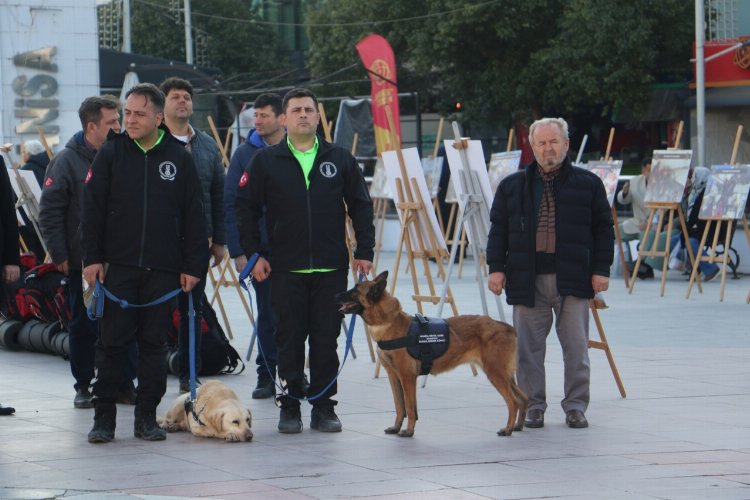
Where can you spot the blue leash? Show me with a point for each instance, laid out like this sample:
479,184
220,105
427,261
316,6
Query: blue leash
246,274
95,311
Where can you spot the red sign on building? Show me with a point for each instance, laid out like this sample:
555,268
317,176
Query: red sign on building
729,70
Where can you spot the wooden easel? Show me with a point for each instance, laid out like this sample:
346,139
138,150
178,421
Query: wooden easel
603,344
218,281
380,207
43,138
712,256
414,217
663,209
618,236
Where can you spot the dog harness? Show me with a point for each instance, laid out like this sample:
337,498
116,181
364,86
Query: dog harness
426,341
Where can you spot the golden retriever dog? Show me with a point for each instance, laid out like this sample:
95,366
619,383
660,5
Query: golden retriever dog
219,413
480,340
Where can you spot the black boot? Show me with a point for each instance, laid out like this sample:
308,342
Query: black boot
145,426
266,387
104,423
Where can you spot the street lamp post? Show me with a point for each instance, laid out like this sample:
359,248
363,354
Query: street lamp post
700,81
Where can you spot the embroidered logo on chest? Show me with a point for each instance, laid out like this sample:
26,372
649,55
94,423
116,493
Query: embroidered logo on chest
328,169
167,170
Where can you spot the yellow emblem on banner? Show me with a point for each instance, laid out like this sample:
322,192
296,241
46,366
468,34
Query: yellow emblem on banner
380,67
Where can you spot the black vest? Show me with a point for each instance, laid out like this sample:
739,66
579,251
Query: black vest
426,340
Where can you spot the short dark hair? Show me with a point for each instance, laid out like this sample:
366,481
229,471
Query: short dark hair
91,108
647,161
296,93
150,92
174,82
273,100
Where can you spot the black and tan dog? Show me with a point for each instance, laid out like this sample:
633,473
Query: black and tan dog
472,339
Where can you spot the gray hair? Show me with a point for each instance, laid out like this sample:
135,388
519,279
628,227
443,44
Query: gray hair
559,122
33,147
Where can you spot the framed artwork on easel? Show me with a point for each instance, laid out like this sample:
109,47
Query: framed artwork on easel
669,174
726,192
608,172
501,166
432,167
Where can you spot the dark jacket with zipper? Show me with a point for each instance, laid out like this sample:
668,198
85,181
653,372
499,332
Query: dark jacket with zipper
144,209
208,163
62,196
584,234
306,227
9,251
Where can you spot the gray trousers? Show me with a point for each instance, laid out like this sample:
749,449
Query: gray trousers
533,325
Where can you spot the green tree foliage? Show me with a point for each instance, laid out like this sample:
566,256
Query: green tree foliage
246,53
503,57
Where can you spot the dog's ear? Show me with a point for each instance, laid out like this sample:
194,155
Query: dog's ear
217,419
377,288
382,276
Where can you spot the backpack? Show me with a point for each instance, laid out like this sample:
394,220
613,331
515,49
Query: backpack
44,295
218,357
11,307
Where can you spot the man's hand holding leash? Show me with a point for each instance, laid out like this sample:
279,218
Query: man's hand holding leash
187,282
93,273
362,266
261,269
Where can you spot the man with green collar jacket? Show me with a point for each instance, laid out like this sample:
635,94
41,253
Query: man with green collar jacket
143,215
307,187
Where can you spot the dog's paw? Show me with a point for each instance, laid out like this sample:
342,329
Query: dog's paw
232,438
518,427
170,426
392,430
504,432
406,433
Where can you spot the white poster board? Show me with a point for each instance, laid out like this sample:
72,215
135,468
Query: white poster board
726,192
475,156
30,179
501,166
413,167
609,173
669,175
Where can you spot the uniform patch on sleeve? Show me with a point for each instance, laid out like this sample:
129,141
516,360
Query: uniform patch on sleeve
243,179
48,182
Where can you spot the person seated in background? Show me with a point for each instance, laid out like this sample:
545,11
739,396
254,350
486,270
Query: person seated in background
35,159
634,193
695,227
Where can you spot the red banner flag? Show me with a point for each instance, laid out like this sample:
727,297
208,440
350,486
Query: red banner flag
377,56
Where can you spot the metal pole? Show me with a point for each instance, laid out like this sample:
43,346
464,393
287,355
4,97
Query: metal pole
700,81
418,116
188,34
126,47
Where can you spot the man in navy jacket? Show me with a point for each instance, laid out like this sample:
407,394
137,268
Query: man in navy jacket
550,247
